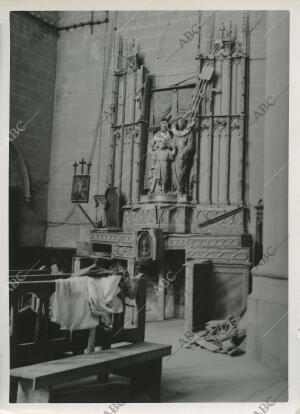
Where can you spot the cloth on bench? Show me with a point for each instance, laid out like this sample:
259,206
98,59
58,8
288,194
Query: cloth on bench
70,305
78,302
103,295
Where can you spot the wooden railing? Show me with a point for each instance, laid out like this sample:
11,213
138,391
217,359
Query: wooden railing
49,342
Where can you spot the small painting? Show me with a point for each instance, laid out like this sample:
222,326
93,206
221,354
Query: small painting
80,188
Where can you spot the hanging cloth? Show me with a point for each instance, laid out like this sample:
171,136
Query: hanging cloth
70,304
103,295
78,302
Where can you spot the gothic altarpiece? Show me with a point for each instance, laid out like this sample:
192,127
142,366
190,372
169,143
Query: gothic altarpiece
182,180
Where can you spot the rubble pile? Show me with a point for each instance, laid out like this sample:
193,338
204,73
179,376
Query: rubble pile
226,336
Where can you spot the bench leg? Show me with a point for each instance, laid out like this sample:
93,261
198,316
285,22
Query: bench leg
104,376
27,395
13,389
155,380
147,378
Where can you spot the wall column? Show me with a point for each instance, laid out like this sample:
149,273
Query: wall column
130,267
188,300
161,291
267,333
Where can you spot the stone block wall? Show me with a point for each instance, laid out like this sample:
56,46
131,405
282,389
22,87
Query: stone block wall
32,80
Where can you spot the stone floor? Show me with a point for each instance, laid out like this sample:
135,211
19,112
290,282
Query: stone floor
197,375
190,375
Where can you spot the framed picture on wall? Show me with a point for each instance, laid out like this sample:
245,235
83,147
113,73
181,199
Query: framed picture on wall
80,189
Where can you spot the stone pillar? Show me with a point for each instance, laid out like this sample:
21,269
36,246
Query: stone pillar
130,267
188,300
267,333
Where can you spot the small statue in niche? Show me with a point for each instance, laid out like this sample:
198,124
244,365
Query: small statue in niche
185,147
162,153
145,246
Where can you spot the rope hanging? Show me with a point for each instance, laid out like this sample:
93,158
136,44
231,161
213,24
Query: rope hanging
204,77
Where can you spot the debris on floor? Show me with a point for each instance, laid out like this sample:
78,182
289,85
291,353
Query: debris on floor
226,336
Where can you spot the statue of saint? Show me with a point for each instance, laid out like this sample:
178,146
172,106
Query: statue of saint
162,153
185,146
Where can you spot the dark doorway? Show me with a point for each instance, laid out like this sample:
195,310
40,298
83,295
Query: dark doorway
175,289
202,298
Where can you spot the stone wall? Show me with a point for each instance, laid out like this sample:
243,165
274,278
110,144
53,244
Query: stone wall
255,147
268,311
32,80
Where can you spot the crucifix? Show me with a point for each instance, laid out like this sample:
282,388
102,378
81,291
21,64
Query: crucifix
89,164
82,163
75,165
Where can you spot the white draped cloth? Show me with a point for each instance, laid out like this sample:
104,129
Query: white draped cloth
78,302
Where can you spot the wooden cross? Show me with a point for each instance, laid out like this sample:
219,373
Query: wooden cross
82,162
75,165
89,167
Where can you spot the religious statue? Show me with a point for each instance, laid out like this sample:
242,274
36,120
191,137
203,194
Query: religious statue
184,146
162,153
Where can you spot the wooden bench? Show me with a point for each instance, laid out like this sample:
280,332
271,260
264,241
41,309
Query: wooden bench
43,346
141,362
52,359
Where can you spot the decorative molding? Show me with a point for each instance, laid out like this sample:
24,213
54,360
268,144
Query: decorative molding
193,242
112,237
219,124
219,249
175,243
184,218
170,218
215,241
121,251
139,217
240,256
